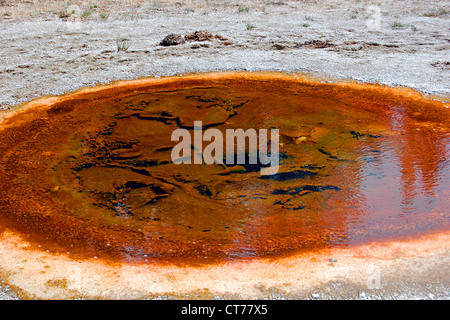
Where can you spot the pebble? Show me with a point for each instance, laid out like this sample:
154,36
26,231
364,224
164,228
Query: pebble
278,46
172,40
199,36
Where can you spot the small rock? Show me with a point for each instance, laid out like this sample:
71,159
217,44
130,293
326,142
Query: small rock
199,36
172,40
278,46
316,44
221,38
332,260
315,296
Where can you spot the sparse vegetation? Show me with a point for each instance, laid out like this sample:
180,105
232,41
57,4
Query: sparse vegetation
133,15
305,25
104,16
354,16
435,14
396,25
123,44
243,9
250,26
74,11
64,14
309,18
85,14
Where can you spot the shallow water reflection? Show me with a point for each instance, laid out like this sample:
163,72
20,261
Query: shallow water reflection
93,174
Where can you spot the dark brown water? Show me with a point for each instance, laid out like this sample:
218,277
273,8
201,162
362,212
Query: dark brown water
93,174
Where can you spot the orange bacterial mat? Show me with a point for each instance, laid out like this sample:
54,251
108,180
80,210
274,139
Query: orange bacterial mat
91,173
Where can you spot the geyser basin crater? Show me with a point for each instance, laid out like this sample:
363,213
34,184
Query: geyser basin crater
90,173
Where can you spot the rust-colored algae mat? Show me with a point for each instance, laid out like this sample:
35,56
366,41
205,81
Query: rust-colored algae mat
91,174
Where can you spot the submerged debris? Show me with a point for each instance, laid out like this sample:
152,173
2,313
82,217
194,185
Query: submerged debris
358,135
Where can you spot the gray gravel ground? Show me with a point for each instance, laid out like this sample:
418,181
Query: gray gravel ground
45,55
